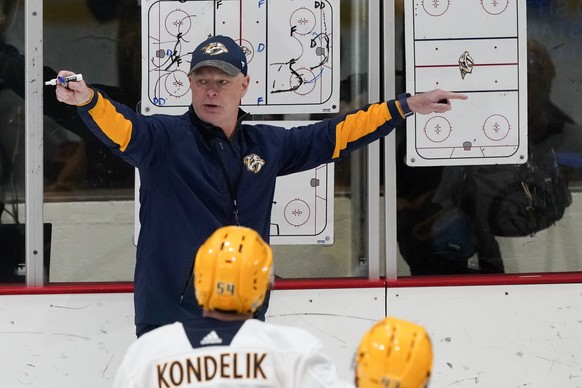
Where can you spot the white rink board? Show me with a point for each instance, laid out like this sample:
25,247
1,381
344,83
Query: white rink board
483,336
499,336
292,50
478,48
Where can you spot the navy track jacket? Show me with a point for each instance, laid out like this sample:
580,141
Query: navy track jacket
192,175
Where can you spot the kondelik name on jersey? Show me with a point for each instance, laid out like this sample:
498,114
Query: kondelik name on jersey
212,367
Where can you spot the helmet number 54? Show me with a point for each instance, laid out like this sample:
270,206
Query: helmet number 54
224,288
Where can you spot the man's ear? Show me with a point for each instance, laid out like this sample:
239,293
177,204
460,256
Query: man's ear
245,85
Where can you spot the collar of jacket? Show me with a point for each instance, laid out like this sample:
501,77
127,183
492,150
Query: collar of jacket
211,131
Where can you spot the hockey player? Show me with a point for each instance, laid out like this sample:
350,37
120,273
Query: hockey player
394,353
229,348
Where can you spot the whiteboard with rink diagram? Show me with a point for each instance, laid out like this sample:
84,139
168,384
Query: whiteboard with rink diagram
293,57
291,47
478,48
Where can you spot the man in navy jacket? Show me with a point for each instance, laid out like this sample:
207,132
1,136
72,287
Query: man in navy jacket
206,169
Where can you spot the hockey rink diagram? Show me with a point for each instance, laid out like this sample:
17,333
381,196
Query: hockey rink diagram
308,215
291,49
477,48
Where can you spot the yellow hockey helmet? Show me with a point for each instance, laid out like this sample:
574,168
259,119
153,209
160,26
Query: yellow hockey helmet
394,353
233,270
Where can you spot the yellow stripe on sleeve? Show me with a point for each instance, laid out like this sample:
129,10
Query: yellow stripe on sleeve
399,107
357,125
113,124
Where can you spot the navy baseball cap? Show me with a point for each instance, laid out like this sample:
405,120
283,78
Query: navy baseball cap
221,52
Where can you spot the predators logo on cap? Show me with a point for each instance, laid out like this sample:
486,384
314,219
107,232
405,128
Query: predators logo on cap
215,48
222,53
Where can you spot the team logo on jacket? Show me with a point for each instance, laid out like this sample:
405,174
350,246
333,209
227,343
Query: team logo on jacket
254,163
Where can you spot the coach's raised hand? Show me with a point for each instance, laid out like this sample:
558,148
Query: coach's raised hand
73,93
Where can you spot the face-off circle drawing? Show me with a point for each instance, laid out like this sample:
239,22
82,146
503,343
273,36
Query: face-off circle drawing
297,212
496,127
494,7
435,7
437,129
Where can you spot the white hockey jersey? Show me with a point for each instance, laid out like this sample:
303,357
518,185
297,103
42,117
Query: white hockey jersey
260,355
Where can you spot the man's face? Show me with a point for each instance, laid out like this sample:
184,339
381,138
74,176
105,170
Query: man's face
216,96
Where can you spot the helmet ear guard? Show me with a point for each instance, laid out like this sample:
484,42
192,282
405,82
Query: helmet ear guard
394,353
233,270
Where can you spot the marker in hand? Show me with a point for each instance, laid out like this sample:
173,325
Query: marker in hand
65,80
